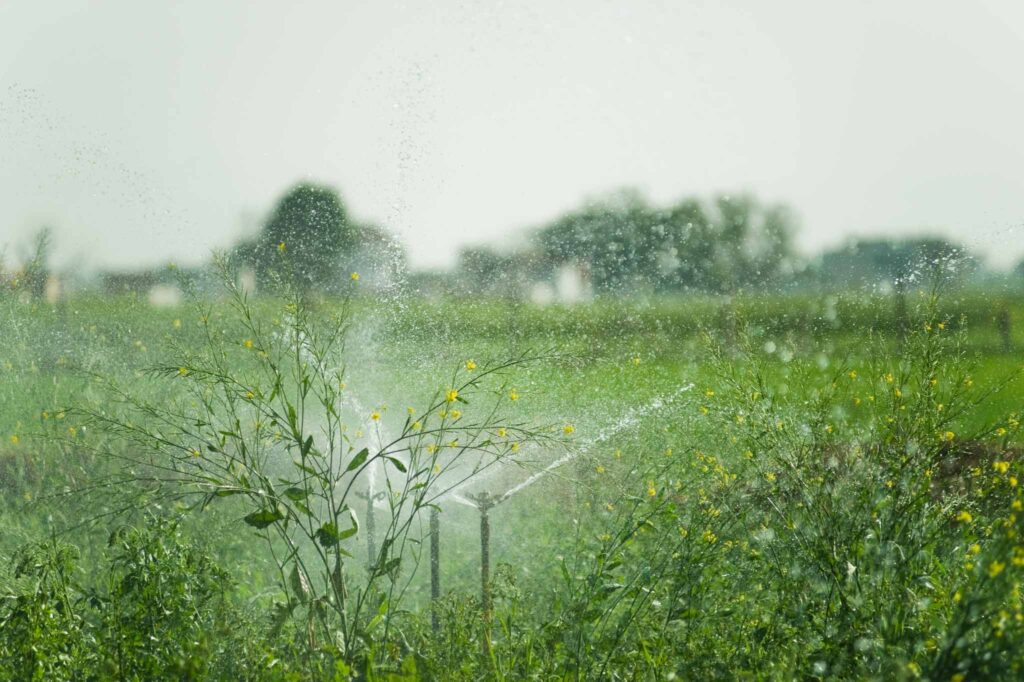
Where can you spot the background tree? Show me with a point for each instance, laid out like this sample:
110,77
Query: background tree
628,245
312,222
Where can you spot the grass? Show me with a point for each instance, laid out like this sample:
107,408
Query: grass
794,514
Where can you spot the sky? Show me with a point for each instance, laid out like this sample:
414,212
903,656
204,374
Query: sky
148,132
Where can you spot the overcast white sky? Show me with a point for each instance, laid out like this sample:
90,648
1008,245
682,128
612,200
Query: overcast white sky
148,131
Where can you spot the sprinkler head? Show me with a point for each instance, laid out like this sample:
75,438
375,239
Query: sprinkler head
484,501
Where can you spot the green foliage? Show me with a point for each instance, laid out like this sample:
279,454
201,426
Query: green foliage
256,415
313,224
831,500
625,244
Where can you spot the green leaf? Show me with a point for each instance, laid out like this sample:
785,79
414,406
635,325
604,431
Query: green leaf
358,460
398,464
300,584
307,446
345,534
263,518
296,494
328,535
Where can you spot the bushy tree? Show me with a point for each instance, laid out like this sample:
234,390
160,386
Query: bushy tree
627,244
311,240
312,224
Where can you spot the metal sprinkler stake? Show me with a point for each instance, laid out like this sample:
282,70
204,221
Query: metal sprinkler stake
484,502
435,568
371,525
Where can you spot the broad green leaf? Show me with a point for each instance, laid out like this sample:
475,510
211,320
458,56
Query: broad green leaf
358,460
263,518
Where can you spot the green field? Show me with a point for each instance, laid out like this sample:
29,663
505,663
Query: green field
760,488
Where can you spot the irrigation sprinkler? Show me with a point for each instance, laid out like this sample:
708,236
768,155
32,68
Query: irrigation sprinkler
484,502
371,524
435,567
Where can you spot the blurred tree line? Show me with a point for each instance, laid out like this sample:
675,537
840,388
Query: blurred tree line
625,244
621,244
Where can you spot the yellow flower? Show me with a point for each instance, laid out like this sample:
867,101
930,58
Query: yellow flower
1000,431
375,416
889,378
470,365
948,436
709,537
974,549
1001,467
247,343
182,371
502,432
995,568
568,428
852,374
828,428
651,490
618,454
410,410
176,324
515,446
513,395
942,325
249,395
770,476
416,426
195,452
455,414
281,247
599,469
709,393
636,360
964,516
15,440
431,449
451,396
354,276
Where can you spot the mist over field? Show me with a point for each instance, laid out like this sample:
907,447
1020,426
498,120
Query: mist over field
509,341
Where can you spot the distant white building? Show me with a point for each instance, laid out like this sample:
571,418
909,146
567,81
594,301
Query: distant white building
570,284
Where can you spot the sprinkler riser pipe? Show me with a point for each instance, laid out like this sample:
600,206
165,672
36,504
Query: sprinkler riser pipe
435,569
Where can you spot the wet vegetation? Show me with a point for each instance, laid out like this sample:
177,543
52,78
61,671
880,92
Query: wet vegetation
356,482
